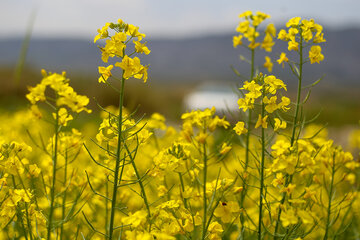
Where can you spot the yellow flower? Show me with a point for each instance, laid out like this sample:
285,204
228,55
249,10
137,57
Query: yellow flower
239,128
243,27
279,180
351,178
319,38
283,35
132,68
134,32
293,22
201,137
237,40
262,122
259,17
215,230
262,15
161,236
142,73
37,93
136,219
271,105
63,116
226,210
279,124
289,189
268,43
288,218
253,88
307,24
292,45
103,32
273,84
307,35
245,14
270,29
253,45
292,33
216,121
137,235
285,101
246,103
105,73
156,121
35,111
315,54
141,47
21,195
268,64
225,149
34,171
282,59
305,217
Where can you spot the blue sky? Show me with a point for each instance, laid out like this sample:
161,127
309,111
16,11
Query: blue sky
163,18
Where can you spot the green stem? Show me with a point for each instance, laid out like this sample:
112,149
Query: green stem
298,92
293,135
28,221
141,185
204,191
117,164
183,189
262,165
330,199
247,150
52,190
64,197
18,213
106,209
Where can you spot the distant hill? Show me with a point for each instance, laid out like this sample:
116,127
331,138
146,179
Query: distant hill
205,58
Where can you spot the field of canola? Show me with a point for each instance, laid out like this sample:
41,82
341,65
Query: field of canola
271,173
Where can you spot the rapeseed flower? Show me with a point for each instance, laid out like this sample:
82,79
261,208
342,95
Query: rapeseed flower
268,64
315,54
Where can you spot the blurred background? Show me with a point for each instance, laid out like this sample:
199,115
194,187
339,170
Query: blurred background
191,51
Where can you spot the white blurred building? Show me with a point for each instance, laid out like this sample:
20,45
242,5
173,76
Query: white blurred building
222,97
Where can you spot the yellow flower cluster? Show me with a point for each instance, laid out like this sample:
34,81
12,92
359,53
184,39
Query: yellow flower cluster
116,46
266,89
300,31
248,29
17,202
63,95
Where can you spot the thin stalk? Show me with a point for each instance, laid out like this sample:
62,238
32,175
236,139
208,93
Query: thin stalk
106,209
183,189
28,222
52,190
117,164
330,199
139,178
64,197
18,213
247,150
262,165
289,178
142,189
298,91
204,191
